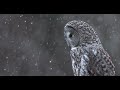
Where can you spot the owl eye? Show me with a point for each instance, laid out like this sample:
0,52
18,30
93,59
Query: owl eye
70,35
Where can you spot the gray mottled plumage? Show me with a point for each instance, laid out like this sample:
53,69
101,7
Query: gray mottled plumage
87,53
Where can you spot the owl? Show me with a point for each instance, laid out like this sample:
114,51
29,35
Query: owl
88,56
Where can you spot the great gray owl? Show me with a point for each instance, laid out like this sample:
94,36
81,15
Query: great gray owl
87,53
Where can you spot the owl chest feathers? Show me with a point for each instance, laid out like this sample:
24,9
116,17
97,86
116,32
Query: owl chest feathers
80,61
83,52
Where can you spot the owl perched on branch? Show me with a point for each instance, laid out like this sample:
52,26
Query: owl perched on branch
87,53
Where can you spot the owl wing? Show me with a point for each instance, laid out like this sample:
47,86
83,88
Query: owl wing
100,63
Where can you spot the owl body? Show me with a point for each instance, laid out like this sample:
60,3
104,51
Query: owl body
87,53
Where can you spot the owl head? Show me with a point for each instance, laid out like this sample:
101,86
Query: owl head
78,33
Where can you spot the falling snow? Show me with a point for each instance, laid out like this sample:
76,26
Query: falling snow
31,23
6,57
50,61
34,44
21,15
51,68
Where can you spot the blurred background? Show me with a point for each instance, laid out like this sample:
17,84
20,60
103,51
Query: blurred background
34,45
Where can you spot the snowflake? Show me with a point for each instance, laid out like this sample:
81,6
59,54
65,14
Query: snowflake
50,61
21,15
6,57
5,69
31,23
51,68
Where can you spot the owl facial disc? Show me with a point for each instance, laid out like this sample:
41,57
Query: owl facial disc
71,36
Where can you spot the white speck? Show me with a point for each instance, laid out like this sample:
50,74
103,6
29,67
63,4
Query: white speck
5,69
5,22
31,23
25,21
50,18
47,43
36,64
50,61
18,25
51,68
12,74
6,57
21,15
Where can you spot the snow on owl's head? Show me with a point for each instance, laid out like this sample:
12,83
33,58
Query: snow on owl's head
79,33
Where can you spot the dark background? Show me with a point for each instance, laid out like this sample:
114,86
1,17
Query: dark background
34,45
